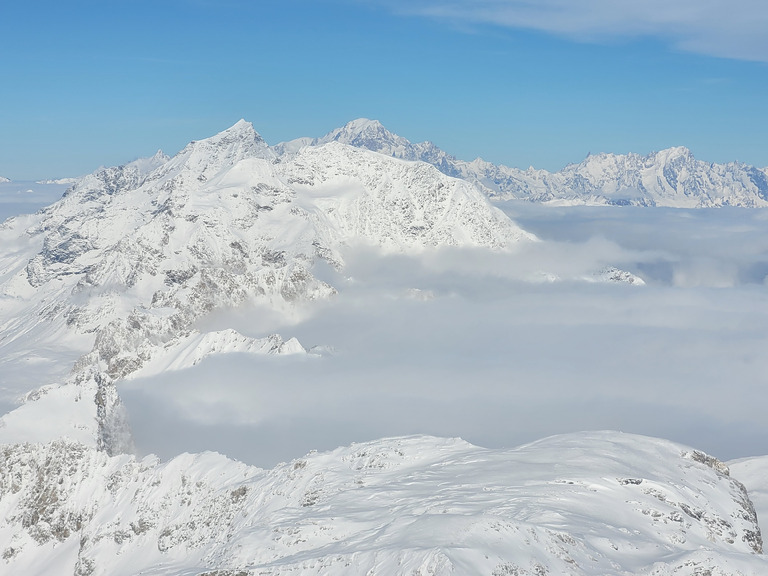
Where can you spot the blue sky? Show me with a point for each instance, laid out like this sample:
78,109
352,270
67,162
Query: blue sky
91,83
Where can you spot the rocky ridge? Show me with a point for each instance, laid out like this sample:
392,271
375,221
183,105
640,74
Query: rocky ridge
584,504
133,256
671,177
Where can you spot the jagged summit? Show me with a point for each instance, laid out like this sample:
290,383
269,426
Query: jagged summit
670,177
372,135
369,134
206,158
133,256
131,268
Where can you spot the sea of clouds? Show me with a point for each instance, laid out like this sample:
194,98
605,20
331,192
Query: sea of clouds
488,347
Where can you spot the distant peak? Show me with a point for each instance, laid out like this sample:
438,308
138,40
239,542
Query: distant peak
361,127
240,127
365,133
674,152
362,123
241,131
242,124
680,151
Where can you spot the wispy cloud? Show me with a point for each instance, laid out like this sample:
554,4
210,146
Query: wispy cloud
723,28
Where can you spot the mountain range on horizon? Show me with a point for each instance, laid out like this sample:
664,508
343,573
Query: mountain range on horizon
114,283
671,177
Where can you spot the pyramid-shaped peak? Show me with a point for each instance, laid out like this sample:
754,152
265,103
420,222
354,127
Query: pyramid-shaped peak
240,136
241,130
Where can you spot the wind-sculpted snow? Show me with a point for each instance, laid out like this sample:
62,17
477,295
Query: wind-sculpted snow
671,177
582,504
133,256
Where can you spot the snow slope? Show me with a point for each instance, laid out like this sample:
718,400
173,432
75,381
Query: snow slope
123,267
584,504
121,274
671,177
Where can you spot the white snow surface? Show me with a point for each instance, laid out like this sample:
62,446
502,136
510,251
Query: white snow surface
671,177
598,503
121,273
124,265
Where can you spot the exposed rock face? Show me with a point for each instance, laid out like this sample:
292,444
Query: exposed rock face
583,504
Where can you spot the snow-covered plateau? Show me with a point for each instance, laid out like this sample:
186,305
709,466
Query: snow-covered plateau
353,287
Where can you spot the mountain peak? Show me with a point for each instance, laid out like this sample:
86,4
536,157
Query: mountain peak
360,124
674,152
240,130
365,133
209,156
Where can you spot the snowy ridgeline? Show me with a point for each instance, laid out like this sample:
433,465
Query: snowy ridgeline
671,177
122,271
124,266
583,504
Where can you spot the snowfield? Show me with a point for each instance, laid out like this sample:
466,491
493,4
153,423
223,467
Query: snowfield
266,300
595,503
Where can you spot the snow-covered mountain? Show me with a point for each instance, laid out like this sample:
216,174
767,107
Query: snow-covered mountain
583,504
115,282
671,177
372,135
133,256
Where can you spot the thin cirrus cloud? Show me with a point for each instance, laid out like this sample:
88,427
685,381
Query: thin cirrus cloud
729,29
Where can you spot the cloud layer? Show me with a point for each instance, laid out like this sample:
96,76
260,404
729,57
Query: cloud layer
459,344
730,29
